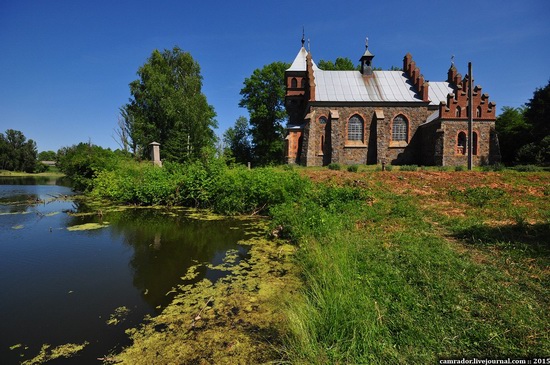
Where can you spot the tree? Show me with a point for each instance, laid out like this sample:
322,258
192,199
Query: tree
263,96
168,107
81,163
47,156
16,152
513,132
524,133
537,113
341,64
237,141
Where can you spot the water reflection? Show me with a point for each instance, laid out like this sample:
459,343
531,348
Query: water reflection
165,246
35,180
62,285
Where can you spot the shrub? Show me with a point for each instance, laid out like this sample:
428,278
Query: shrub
460,168
526,168
386,167
494,167
334,166
353,168
408,168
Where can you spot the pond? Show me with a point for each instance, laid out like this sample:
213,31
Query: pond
62,284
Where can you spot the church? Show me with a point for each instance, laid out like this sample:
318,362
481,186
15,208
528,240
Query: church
384,117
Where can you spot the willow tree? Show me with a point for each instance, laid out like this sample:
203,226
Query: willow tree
167,106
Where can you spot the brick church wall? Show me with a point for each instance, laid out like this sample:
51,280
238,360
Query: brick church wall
453,155
376,145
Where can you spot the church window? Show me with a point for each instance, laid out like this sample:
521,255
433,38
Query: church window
323,120
400,129
355,128
474,143
293,83
458,112
303,83
461,143
478,112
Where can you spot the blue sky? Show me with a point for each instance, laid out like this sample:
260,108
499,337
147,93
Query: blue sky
65,65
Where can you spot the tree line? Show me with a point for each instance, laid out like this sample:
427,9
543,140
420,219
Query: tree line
524,132
167,106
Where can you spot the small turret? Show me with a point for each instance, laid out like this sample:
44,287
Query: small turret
366,61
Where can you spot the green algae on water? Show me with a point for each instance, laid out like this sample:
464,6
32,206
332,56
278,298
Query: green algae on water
118,316
88,226
239,319
19,226
47,353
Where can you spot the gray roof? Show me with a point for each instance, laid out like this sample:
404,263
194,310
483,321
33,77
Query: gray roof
352,86
432,117
438,91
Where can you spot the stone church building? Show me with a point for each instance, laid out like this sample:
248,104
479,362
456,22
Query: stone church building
393,117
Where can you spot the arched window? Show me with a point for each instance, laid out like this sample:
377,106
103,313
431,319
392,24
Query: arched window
461,143
478,112
355,128
400,129
322,120
293,83
303,83
474,143
458,111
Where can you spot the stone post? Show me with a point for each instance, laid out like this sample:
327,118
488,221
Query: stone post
155,153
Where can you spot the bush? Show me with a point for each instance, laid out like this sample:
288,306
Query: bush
460,168
495,167
83,162
408,168
334,166
526,168
353,168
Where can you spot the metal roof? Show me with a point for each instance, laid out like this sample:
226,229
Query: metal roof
438,91
432,117
392,86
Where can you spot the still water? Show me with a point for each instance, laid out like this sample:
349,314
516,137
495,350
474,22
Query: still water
60,286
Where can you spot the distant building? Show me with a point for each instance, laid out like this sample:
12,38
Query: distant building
393,117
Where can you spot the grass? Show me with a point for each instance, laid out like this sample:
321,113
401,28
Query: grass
412,281
52,172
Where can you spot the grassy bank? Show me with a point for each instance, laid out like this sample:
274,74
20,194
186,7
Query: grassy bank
52,172
434,265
